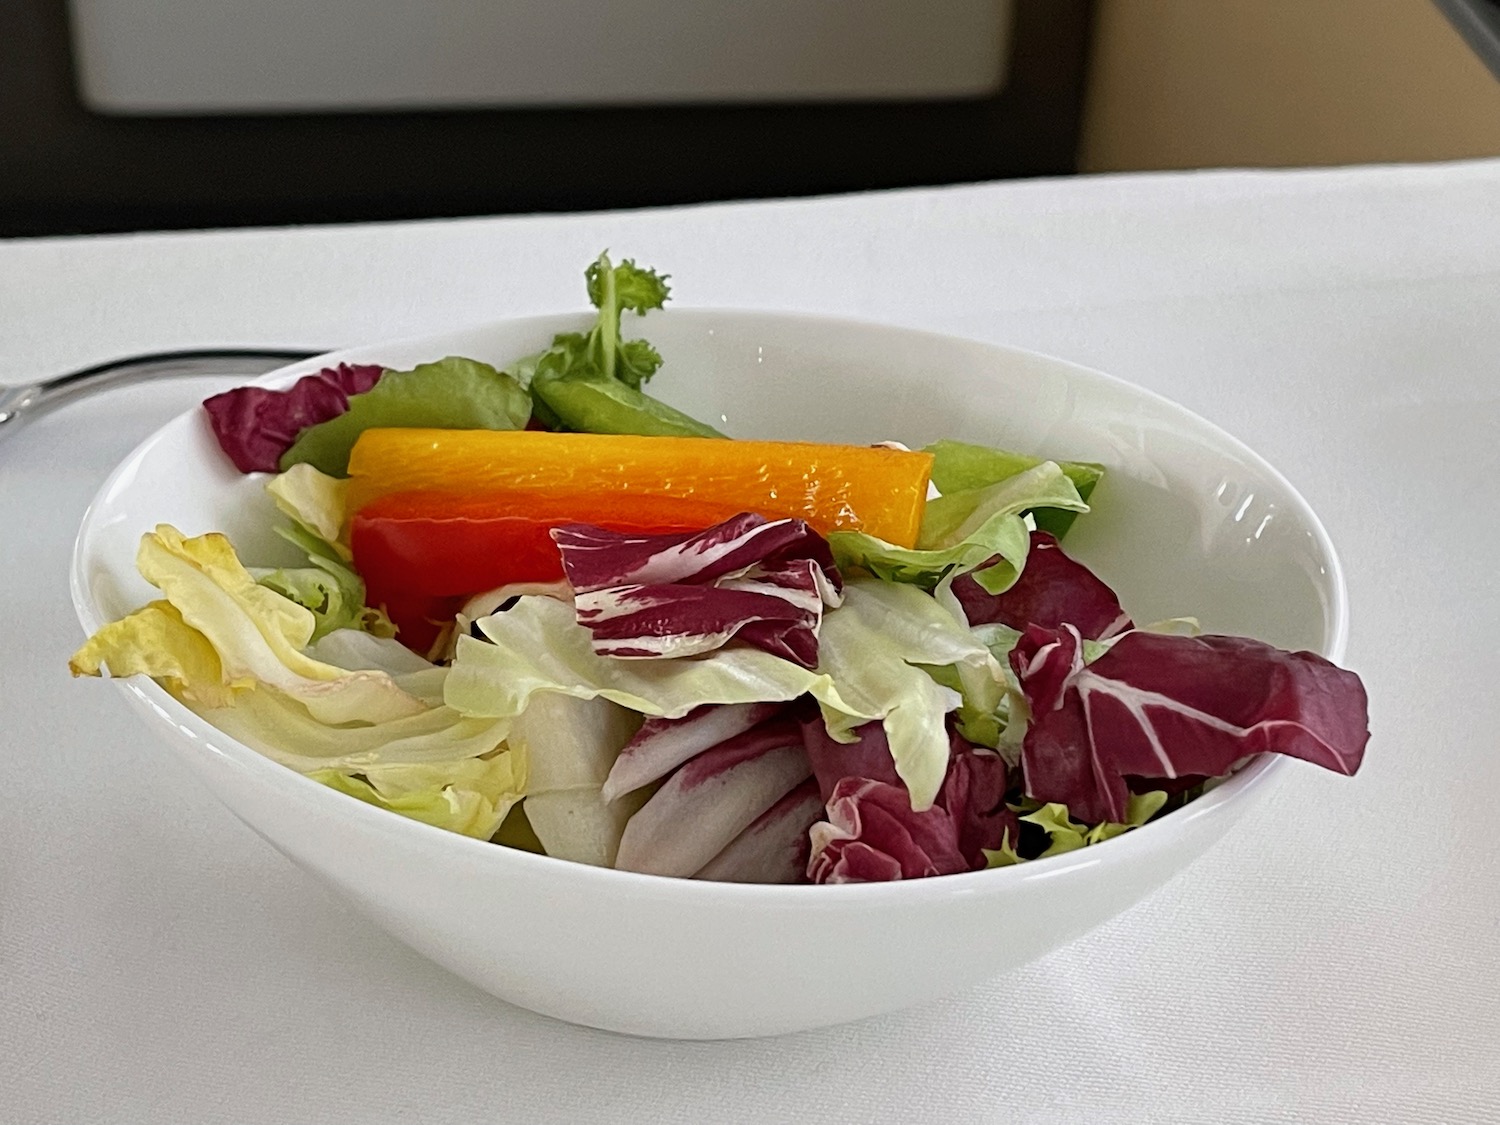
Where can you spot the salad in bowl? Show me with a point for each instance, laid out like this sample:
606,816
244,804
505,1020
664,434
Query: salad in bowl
535,605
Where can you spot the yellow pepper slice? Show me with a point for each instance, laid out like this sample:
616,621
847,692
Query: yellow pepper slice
877,490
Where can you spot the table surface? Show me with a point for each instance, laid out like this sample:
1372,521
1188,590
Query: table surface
1334,960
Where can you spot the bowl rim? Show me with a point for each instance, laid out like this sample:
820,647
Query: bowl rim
1228,798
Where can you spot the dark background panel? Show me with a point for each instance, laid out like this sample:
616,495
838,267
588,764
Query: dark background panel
64,169
1478,21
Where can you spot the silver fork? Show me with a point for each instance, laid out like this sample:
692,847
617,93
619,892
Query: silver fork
18,404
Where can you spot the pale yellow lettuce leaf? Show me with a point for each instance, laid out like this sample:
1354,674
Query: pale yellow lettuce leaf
155,641
471,796
284,730
259,634
315,501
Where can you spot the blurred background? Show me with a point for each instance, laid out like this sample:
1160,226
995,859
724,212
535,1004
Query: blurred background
120,115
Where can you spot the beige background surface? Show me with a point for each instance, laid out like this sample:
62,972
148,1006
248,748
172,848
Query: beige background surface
1205,83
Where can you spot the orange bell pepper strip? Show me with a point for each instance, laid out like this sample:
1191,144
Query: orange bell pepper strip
876,490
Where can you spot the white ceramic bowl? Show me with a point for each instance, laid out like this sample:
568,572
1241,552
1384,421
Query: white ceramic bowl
1187,521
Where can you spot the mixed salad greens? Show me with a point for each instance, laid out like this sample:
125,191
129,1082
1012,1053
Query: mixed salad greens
543,608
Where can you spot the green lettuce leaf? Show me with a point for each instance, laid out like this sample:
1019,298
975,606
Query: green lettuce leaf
871,650
958,466
1053,820
1003,856
284,730
1140,808
574,355
1007,722
878,649
962,531
568,356
317,503
471,796
328,588
538,646
998,638
335,597
983,716
626,286
524,370
954,516
452,393
1067,835
1006,536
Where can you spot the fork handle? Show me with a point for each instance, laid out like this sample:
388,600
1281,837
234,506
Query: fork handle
18,403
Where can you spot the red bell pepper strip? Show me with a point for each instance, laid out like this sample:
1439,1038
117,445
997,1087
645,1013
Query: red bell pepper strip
419,621
422,553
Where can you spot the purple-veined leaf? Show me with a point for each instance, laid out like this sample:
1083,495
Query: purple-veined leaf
1158,706
596,559
762,583
974,795
868,756
256,425
872,835
971,802
1053,590
661,745
712,799
682,620
775,848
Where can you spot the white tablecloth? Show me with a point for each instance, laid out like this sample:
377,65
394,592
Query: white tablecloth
1336,960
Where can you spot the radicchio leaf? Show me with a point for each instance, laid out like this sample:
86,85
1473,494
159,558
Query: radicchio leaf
1157,706
974,795
868,756
872,836
256,425
1052,591
775,848
888,840
661,745
712,799
597,559
762,583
